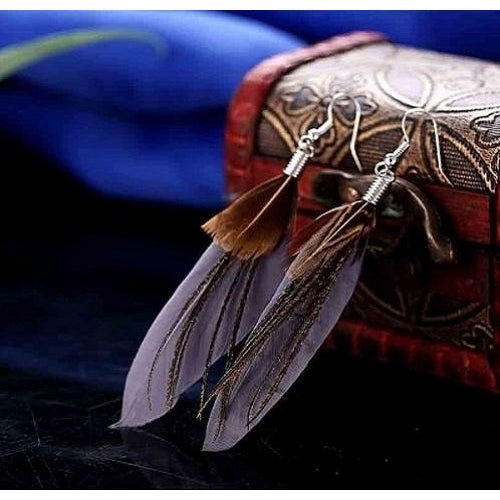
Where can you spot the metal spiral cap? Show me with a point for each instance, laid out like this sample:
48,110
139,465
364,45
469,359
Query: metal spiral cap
296,164
306,146
384,176
376,190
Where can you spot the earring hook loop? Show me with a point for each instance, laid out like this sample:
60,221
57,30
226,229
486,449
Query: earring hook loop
338,97
406,137
306,144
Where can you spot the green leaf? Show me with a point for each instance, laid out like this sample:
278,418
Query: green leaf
14,58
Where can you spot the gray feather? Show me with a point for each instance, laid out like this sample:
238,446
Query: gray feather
317,305
188,320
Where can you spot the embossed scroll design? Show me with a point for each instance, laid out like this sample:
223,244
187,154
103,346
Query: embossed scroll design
462,93
406,303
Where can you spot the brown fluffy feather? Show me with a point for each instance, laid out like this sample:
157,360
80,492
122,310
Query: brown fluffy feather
329,234
255,223
312,232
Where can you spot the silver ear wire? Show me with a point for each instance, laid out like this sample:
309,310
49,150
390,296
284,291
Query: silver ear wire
422,111
383,169
339,96
306,146
328,124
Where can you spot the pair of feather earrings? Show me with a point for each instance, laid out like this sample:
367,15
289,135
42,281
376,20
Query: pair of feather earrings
241,299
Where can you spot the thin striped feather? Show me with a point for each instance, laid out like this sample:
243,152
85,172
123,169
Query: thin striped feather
212,309
302,312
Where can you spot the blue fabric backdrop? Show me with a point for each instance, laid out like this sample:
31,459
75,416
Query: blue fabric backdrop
130,123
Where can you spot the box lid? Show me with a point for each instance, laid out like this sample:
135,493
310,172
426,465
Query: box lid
280,99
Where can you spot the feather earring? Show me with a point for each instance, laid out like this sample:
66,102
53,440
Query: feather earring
327,260
223,296
253,225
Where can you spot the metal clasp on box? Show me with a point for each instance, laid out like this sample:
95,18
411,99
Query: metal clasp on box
331,186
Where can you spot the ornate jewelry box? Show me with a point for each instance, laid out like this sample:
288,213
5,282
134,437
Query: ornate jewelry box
419,303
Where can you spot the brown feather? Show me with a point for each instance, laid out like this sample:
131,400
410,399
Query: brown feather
312,232
330,233
255,223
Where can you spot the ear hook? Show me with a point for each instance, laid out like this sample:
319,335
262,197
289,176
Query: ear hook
422,111
306,147
383,169
339,96
328,124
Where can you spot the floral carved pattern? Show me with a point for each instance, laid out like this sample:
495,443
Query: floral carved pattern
463,94
412,307
487,131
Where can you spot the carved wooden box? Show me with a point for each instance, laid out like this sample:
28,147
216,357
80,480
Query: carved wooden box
441,318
